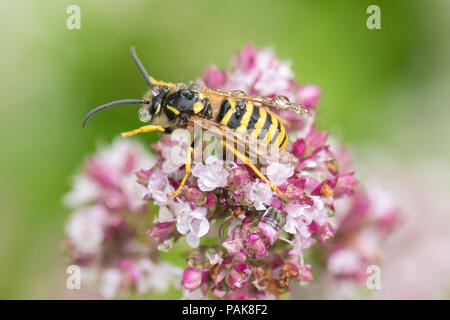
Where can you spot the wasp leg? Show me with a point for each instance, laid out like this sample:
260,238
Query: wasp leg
143,129
246,160
190,150
161,83
188,171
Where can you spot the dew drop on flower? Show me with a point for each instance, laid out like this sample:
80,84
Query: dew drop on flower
274,217
227,227
331,212
166,245
194,258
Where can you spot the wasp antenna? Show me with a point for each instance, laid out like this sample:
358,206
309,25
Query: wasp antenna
110,105
140,66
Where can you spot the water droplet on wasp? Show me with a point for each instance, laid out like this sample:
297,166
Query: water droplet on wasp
238,92
281,100
144,114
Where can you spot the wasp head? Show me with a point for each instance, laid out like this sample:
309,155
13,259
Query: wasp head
154,99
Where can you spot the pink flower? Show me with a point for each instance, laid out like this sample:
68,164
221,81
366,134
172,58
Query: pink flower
316,139
244,60
345,261
214,78
256,241
239,275
238,176
269,230
304,273
211,175
309,95
86,229
278,172
109,177
162,230
159,186
194,224
299,148
260,194
297,220
101,235
192,278
255,245
156,276
259,72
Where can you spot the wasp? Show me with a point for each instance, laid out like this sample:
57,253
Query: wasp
167,106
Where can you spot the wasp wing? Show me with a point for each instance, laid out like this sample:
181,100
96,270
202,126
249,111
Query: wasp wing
257,150
279,102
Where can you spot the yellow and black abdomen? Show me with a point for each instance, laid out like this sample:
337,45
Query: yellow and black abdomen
254,120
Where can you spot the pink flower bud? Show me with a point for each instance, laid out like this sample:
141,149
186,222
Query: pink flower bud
214,78
268,230
162,230
238,176
192,278
304,273
244,60
309,96
238,276
321,233
299,147
210,200
255,245
316,139
194,196
129,266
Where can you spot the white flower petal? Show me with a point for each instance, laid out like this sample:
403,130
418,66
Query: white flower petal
211,175
109,283
278,172
85,229
192,240
260,194
199,227
165,215
290,226
183,224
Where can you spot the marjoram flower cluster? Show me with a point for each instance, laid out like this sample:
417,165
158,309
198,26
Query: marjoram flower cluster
242,240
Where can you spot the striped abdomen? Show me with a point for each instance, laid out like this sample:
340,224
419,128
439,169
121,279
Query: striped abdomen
254,120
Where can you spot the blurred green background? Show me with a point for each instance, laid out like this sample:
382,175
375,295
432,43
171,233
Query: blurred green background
385,88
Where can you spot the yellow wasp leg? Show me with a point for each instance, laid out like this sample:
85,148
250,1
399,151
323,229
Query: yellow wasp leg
143,129
188,170
246,160
161,83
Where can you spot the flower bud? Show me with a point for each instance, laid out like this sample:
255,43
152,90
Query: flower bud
192,278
